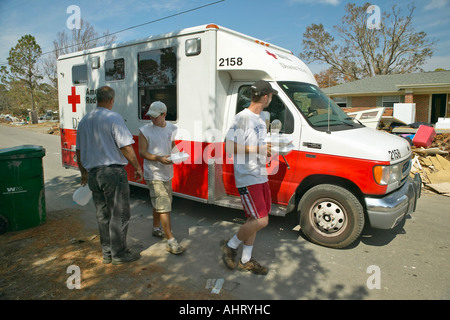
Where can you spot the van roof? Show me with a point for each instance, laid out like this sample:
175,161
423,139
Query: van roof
187,31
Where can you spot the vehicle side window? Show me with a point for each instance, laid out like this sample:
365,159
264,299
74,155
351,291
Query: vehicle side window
157,81
115,69
277,109
79,74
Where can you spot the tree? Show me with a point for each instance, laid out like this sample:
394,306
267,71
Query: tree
364,52
15,101
80,39
4,99
23,67
328,78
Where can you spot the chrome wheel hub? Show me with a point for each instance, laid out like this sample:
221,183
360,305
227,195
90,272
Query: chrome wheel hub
328,216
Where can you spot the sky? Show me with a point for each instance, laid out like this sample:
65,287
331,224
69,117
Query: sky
280,22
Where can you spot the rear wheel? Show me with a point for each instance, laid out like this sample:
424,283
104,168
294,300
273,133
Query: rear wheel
331,216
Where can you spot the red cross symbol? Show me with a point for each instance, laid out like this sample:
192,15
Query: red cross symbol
74,99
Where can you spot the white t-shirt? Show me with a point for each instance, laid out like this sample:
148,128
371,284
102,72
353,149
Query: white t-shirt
100,135
159,143
248,129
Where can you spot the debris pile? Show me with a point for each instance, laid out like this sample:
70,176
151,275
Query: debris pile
442,141
54,130
433,164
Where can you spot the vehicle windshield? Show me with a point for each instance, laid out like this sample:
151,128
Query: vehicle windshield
317,108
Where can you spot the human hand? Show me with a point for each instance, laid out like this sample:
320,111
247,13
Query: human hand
265,150
165,159
84,177
138,176
269,149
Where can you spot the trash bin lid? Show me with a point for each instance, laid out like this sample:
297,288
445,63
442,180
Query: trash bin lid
20,152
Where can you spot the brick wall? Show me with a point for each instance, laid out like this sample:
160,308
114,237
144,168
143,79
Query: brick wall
387,111
364,102
422,105
422,102
409,98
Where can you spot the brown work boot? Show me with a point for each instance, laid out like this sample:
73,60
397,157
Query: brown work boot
229,255
252,266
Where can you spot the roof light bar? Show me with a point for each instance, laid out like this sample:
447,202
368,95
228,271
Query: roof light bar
212,26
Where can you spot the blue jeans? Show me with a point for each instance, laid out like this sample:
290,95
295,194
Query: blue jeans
111,195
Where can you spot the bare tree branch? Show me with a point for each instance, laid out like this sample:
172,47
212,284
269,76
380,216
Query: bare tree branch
361,52
78,40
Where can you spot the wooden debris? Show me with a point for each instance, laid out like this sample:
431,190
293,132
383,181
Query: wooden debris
441,188
433,164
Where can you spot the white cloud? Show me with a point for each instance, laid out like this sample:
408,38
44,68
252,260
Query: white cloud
331,2
436,4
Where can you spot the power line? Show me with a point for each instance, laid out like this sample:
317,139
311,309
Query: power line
15,6
168,17
136,26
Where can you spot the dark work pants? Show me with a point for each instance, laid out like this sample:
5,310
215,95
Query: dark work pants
111,195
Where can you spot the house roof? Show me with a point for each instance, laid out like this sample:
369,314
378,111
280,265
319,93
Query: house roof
394,84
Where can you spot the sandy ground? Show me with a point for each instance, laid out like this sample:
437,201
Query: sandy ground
35,265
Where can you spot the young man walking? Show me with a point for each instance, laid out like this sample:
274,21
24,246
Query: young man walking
155,146
245,140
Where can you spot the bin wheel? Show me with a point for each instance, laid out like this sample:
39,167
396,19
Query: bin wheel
3,224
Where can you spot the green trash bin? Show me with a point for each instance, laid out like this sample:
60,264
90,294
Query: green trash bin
22,192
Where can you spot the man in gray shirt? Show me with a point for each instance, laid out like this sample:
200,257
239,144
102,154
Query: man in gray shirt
104,148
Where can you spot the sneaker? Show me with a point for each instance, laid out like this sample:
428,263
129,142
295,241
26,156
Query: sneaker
229,255
159,233
174,247
252,266
128,256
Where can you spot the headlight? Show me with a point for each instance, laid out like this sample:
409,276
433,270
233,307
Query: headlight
385,175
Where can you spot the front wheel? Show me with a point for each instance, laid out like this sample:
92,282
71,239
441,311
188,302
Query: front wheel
331,216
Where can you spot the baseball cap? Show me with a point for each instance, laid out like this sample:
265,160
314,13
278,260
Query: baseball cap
156,109
262,88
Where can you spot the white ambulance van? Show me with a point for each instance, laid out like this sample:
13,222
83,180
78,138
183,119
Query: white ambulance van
338,174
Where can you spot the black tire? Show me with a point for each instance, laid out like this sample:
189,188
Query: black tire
331,216
3,224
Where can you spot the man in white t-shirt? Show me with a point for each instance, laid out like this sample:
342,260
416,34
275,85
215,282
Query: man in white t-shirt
155,146
245,139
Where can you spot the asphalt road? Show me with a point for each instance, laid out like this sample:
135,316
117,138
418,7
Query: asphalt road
408,262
